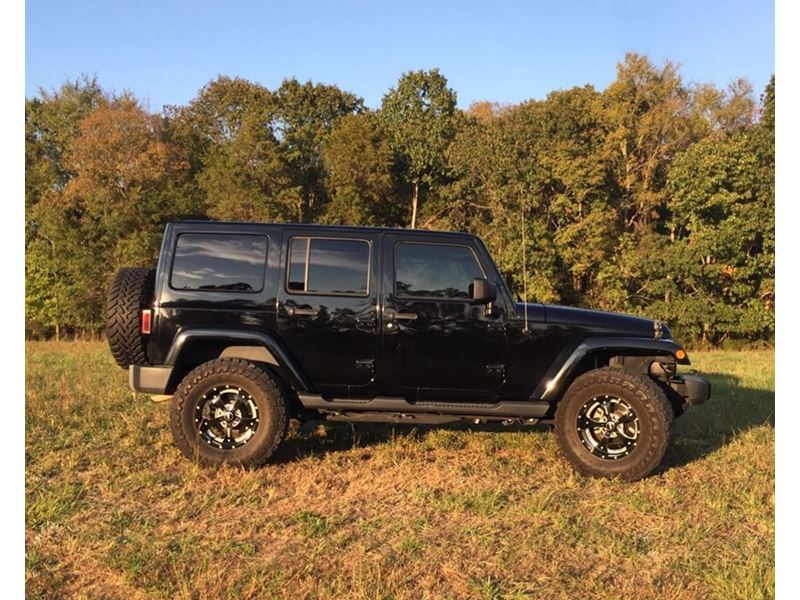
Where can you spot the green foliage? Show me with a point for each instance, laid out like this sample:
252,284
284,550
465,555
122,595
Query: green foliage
646,111
721,257
239,171
247,179
304,116
421,119
360,174
108,213
539,162
652,196
51,123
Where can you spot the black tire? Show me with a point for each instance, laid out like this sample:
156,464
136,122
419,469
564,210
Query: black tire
634,436
198,390
131,290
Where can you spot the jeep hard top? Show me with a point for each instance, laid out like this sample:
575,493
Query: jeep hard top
247,325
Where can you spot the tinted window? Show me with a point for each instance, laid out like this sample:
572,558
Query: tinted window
328,266
211,262
434,270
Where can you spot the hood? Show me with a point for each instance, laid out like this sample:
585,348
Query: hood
608,323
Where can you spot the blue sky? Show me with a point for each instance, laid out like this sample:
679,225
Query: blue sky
501,50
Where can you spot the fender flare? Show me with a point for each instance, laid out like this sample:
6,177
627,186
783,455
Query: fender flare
558,375
287,364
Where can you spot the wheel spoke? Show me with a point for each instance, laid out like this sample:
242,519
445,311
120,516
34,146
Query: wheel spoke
592,423
233,414
595,420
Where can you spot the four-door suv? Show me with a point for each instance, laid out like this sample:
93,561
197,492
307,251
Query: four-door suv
246,325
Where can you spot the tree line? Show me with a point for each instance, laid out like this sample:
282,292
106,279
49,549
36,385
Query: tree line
653,196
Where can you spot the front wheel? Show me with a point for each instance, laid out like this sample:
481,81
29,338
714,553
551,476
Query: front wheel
614,423
228,411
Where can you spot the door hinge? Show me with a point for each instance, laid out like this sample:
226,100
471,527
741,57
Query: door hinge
498,368
366,363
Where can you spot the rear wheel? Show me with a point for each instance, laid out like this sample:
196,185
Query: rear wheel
228,411
613,423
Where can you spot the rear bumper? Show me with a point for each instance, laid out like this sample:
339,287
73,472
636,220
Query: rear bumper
149,380
693,388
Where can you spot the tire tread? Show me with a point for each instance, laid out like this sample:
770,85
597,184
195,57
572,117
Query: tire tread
130,291
228,366
658,411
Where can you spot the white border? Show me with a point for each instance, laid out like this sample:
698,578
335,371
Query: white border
12,159
787,100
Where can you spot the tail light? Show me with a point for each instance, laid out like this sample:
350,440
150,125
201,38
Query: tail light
146,321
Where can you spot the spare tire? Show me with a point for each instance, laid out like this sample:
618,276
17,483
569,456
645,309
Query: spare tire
131,290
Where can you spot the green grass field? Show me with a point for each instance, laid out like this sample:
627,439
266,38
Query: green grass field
373,511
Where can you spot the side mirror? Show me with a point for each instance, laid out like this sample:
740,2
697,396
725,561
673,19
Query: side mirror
483,291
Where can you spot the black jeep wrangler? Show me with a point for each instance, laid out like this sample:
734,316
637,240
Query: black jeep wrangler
246,325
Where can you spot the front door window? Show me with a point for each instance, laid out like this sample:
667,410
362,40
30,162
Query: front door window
435,271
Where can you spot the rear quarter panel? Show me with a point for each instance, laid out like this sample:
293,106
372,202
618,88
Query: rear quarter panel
176,310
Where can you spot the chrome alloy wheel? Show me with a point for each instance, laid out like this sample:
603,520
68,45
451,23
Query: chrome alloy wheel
226,417
608,427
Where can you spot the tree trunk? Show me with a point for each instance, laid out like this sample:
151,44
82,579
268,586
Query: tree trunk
414,200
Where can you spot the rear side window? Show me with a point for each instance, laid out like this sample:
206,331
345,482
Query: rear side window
434,270
219,262
328,266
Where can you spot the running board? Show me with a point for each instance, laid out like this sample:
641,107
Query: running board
510,409
396,418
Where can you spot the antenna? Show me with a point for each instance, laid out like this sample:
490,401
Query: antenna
524,272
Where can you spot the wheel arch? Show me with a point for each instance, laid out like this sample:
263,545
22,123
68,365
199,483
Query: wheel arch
594,353
193,347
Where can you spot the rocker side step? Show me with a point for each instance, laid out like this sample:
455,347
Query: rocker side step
511,409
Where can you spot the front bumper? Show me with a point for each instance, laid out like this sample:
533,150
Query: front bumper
149,380
692,388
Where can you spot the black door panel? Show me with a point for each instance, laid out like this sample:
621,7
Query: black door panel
327,307
447,345
328,336
441,347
